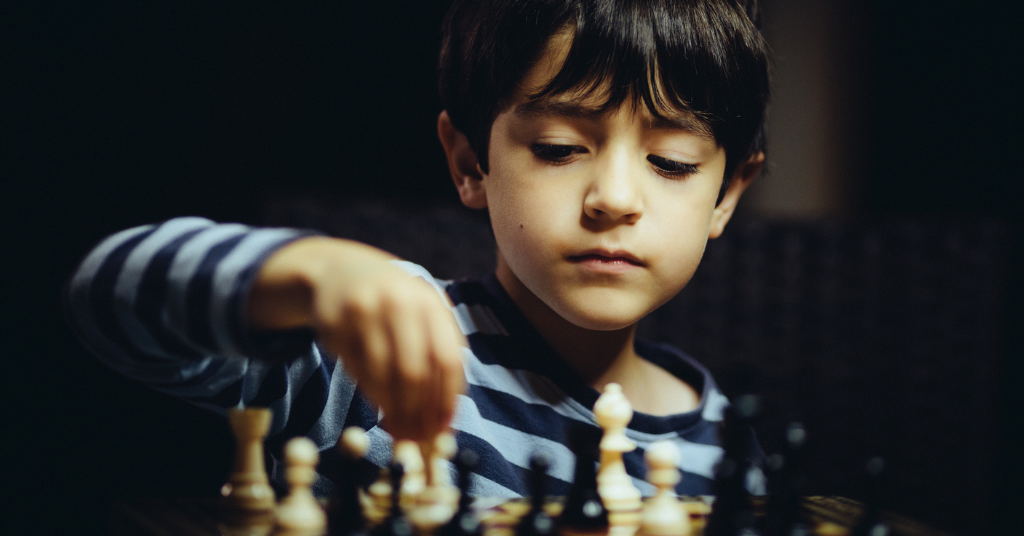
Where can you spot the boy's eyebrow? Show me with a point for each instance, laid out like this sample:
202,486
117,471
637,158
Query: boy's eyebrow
684,122
569,109
574,110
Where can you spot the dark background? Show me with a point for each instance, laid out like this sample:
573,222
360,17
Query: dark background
130,114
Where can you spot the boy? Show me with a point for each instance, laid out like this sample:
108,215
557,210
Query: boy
607,140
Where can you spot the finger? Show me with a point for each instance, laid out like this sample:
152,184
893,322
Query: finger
365,351
447,355
411,368
368,339
433,420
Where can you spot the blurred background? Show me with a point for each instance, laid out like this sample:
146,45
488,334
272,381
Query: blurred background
888,206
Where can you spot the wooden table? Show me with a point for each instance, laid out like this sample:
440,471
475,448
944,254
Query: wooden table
206,516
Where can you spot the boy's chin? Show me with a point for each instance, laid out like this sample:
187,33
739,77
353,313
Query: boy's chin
600,316
604,324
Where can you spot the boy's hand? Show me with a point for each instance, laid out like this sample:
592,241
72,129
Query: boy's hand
393,332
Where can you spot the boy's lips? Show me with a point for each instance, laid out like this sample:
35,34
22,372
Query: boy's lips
603,258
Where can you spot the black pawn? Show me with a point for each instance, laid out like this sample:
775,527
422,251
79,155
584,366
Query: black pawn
584,511
537,522
464,522
345,513
396,524
732,512
786,480
870,522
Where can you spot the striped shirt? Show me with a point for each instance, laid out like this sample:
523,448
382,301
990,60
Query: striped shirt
164,304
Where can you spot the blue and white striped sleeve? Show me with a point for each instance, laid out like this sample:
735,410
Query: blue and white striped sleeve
164,304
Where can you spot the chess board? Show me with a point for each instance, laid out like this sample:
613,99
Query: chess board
208,516
500,517
821,513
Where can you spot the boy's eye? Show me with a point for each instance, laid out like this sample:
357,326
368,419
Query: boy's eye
556,153
671,167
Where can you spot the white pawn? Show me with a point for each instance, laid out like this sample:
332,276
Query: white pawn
380,495
613,412
663,513
440,489
248,488
414,480
442,453
300,510
437,503
353,443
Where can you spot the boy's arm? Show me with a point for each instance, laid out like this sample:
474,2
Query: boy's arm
395,334
166,305
174,292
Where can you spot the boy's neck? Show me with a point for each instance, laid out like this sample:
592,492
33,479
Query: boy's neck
598,357
601,357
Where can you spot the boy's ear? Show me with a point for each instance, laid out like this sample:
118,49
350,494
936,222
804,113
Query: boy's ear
741,179
462,163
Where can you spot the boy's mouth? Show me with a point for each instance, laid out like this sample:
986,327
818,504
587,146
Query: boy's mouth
605,257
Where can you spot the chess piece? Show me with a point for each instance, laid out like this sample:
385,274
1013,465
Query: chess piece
537,522
786,477
613,412
396,524
663,514
248,488
300,511
345,516
583,513
442,450
408,454
436,504
871,522
465,521
380,493
733,512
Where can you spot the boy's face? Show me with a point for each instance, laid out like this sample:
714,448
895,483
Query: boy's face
602,216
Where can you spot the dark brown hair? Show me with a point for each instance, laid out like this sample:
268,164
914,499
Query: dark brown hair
706,57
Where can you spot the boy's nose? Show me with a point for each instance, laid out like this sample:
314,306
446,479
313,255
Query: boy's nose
613,195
